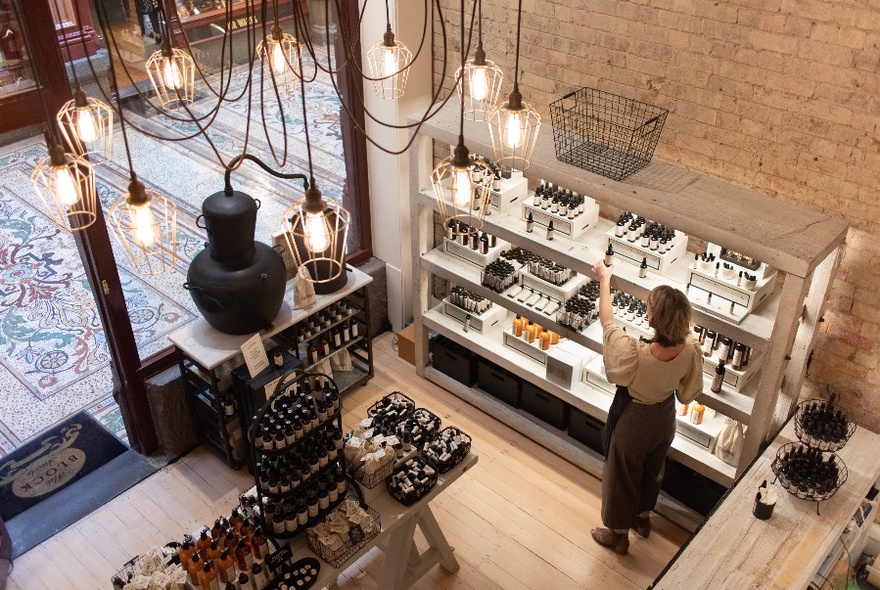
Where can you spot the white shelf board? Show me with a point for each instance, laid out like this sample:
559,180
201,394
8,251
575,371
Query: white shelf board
210,347
580,255
583,396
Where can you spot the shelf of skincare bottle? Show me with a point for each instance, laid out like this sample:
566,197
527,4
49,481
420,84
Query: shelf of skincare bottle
571,213
578,313
550,271
631,313
293,514
476,247
463,311
642,242
741,362
718,288
325,319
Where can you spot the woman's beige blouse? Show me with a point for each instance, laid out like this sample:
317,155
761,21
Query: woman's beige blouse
629,362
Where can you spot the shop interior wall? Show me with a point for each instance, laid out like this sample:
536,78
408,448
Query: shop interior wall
783,97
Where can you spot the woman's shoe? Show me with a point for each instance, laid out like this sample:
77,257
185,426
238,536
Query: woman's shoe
617,542
643,526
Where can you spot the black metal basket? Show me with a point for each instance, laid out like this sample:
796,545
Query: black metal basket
436,449
823,440
605,133
410,497
390,410
815,490
356,540
422,425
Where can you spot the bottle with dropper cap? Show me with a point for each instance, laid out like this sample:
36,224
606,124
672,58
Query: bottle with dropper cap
643,268
609,255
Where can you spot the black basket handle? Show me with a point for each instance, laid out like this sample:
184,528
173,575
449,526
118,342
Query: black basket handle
652,122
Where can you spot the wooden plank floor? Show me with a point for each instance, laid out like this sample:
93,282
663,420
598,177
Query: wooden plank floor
519,520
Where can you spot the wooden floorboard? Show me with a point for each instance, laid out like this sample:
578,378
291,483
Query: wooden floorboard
519,520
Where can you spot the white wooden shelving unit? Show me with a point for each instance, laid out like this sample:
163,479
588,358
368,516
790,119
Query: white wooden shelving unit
803,244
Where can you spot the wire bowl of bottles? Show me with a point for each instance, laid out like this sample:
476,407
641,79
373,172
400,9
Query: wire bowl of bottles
818,423
808,472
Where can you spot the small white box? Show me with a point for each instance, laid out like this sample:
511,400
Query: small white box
481,323
724,298
594,374
558,292
511,191
565,362
529,349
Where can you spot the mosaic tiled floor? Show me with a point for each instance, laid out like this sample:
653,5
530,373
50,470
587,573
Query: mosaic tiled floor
55,361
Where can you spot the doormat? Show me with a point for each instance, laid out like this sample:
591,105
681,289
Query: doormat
52,461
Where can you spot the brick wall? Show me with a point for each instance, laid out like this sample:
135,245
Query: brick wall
779,96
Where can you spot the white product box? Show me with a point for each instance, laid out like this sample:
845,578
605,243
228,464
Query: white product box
594,374
475,257
511,191
660,263
481,323
737,380
558,292
704,434
569,228
723,297
529,349
565,362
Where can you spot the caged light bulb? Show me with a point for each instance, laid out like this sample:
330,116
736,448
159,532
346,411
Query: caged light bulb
85,125
65,186
514,129
171,74
277,60
144,230
389,61
316,236
479,84
462,189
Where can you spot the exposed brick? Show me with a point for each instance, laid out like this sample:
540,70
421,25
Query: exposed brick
780,43
828,53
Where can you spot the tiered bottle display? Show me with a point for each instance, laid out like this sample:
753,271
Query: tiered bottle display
297,443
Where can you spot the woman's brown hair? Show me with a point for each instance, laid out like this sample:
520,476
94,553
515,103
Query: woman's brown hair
670,315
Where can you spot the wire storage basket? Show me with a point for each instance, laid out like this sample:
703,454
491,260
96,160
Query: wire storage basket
605,133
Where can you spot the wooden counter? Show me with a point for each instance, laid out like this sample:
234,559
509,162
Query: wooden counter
735,550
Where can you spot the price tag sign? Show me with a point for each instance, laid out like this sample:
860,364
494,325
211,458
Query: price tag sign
254,355
277,560
356,534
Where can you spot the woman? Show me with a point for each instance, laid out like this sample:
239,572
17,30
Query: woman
647,374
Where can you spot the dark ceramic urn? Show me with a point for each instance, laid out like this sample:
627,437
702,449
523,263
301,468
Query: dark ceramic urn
236,282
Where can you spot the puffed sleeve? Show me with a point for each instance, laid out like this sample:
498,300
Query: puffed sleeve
621,355
692,383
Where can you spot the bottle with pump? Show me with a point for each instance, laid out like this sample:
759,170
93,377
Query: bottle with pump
226,566
208,577
718,379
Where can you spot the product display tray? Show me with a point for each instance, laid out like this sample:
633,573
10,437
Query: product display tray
472,256
736,380
481,323
569,228
660,263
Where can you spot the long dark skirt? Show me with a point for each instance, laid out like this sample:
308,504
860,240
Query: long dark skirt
634,467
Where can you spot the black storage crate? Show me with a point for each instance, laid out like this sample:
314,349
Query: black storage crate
499,382
691,488
605,133
454,360
586,429
541,404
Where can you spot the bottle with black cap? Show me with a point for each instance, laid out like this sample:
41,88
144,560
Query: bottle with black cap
609,255
550,230
643,268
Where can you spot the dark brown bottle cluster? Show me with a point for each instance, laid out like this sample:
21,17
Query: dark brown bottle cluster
520,255
643,232
294,415
559,201
821,420
630,308
735,355
389,411
498,275
808,470
286,514
422,426
579,312
468,300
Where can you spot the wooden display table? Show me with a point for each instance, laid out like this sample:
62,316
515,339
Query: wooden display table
735,550
403,564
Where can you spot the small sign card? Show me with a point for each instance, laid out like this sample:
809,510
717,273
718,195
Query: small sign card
255,356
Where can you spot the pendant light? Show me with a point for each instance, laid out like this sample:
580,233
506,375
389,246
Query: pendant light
86,124
462,181
65,184
316,229
514,125
171,71
480,79
389,62
144,221
281,53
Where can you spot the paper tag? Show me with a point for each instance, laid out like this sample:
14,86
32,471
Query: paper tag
356,534
269,390
255,356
